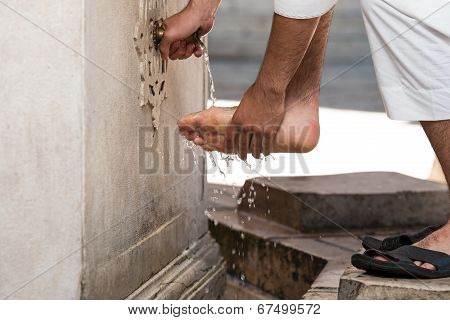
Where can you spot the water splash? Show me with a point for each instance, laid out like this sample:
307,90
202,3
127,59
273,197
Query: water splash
191,145
251,196
212,88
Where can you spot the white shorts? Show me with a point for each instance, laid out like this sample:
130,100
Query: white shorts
303,9
412,61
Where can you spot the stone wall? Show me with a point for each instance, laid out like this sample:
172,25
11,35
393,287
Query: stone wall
82,217
41,147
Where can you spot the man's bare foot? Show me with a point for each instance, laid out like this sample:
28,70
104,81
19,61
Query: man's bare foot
437,241
299,131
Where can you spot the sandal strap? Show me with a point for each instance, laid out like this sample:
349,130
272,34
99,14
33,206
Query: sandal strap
439,260
394,242
409,254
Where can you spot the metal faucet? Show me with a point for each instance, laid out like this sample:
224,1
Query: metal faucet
158,35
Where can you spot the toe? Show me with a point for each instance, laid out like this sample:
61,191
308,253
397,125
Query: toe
208,148
380,258
199,141
428,266
191,136
189,122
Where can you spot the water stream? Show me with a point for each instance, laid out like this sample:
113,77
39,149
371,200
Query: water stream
212,88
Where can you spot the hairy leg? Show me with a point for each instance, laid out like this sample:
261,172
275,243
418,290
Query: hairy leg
299,131
301,128
305,85
438,133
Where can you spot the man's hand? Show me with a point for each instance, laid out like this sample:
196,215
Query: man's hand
256,122
198,17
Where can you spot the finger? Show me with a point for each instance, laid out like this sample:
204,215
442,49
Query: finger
189,51
256,145
177,54
177,27
164,48
198,51
180,52
174,47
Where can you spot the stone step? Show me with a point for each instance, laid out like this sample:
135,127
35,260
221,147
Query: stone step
326,285
278,260
357,201
357,285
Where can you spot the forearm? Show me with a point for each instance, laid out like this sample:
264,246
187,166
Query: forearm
288,43
204,9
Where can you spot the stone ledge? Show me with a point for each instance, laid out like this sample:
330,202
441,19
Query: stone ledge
278,260
326,285
356,201
198,274
358,285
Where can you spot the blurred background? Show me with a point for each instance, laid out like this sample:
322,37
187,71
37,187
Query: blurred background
356,133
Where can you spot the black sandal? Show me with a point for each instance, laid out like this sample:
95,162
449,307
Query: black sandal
401,262
397,241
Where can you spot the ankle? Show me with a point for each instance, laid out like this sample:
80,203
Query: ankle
312,138
444,231
308,99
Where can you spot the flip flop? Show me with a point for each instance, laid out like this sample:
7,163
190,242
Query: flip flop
397,241
401,262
